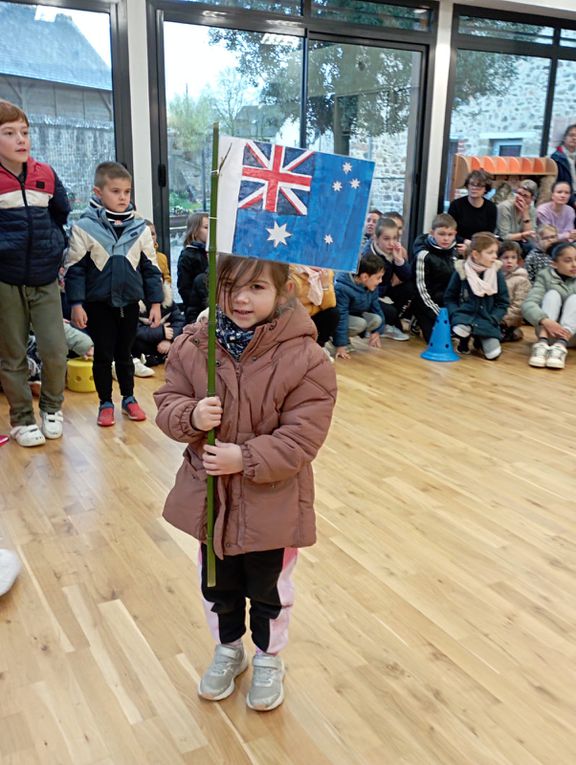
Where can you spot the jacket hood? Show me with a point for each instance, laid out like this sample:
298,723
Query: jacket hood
423,242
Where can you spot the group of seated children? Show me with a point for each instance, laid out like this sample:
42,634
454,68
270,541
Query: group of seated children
488,293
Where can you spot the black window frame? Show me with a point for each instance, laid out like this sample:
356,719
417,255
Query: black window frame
552,51
117,10
307,27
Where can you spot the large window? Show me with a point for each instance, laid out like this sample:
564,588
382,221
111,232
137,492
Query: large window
498,96
564,105
267,72
56,64
513,85
249,82
363,102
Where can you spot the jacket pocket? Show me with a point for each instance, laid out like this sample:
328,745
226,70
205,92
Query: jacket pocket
185,506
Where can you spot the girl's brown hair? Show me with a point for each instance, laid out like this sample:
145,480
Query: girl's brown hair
235,272
193,227
11,113
481,241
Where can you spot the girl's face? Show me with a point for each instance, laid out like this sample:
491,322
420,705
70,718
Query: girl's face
252,303
202,233
565,263
509,261
486,257
561,194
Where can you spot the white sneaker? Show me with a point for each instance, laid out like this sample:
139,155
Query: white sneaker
28,435
556,358
140,368
267,690
393,333
52,424
539,354
9,569
217,682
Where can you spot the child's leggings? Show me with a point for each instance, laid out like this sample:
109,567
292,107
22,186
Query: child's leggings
264,578
562,312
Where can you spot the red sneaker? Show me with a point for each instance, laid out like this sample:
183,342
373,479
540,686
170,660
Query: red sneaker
105,415
131,408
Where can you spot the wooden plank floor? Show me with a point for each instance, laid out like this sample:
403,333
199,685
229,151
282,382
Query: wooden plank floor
435,620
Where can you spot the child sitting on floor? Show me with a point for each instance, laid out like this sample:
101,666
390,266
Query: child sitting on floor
359,309
518,288
477,297
551,308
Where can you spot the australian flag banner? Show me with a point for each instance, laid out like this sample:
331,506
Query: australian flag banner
291,205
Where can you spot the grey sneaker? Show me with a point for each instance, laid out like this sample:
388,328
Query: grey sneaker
266,691
393,333
217,682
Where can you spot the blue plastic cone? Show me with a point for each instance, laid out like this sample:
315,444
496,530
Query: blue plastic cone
440,345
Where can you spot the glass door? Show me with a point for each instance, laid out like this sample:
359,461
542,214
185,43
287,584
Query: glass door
249,81
364,101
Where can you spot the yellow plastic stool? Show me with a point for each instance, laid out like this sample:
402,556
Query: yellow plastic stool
79,376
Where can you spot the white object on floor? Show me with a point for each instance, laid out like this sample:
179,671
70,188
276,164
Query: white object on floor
9,569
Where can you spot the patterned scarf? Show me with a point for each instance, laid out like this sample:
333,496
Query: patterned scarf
230,336
482,280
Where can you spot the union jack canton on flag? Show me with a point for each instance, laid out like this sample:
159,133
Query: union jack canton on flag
291,205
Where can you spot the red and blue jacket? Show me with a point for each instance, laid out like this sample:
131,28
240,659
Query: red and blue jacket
33,210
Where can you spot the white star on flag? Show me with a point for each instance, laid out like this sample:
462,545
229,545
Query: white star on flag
355,183
328,239
337,186
347,167
278,234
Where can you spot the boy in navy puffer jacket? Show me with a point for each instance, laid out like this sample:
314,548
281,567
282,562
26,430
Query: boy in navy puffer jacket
33,210
111,266
359,309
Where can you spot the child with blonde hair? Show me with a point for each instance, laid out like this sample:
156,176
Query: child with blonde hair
477,297
275,392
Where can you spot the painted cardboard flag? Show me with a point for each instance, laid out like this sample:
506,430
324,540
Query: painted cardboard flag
291,205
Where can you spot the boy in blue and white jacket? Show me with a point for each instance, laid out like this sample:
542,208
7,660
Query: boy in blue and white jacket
110,266
359,307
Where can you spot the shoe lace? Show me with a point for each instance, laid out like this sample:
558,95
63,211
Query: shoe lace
557,351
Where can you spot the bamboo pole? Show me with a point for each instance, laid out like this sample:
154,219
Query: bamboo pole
212,249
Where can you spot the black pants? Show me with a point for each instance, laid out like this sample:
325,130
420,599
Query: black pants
113,331
263,577
326,322
425,317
